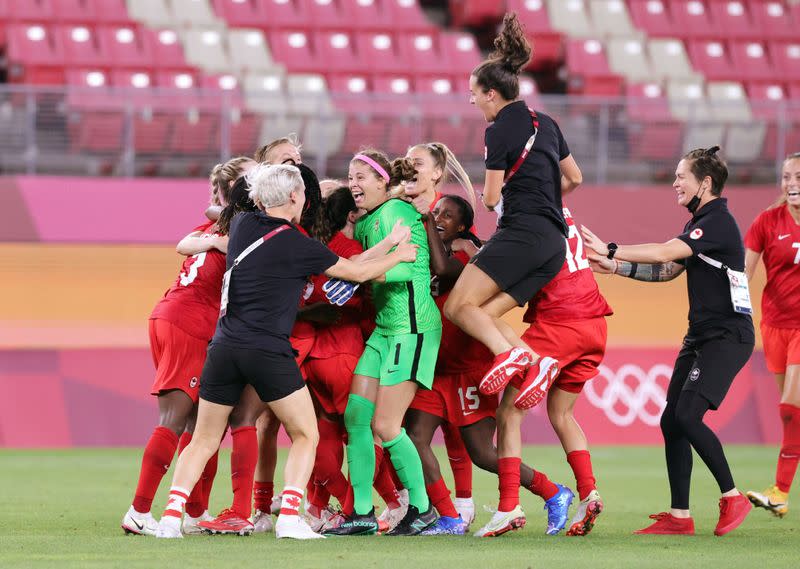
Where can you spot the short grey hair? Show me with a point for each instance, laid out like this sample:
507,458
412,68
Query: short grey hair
271,184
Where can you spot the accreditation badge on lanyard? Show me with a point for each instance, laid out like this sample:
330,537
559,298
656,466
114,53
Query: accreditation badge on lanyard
740,291
513,170
226,278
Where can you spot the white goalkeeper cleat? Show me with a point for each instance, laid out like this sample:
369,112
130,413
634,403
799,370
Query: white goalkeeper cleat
169,528
137,523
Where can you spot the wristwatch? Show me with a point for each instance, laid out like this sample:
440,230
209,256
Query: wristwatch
612,250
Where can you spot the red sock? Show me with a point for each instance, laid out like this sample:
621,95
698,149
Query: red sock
317,496
349,503
398,484
327,471
790,448
194,505
209,473
262,495
439,495
383,483
581,463
460,462
542,486
244,456
156,459
508,473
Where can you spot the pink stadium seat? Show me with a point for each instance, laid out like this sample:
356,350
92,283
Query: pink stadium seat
750,60
221,90
652,16
92,130
151,131
461,51
589,71
366,15
732,18
406,16
327,14
548,42
692,19
436,95
282,15
475,12
339,52
652,132
380,52
125,46
421,52
166,48
80,46
351,92
763,97
33,55
393,94
110,11
178,90
244,133
712,59
294,49
92,91
241,14
74,11
38,11
772,19
786,59
194,133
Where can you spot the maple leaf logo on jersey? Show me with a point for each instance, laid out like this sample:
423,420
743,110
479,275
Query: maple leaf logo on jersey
696,234
293,501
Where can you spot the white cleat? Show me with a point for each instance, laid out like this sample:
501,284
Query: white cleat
586,514
466,509
294,527
389,518
275,507
169,528
139,524
503,522
262,522
319,523
190,524
403,497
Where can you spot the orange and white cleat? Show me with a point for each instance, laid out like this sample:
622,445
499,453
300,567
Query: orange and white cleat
503,522
585,516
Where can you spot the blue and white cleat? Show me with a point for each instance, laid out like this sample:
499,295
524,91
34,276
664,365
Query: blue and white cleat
558,510
447,526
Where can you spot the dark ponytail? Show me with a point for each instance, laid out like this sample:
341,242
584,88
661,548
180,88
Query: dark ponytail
332,215
512,52
705,162
313,196
238,201
467,217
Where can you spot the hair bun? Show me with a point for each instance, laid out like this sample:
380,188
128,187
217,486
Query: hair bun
712,151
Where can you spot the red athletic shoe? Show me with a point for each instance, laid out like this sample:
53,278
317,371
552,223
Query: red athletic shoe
538,380
227,522
732,512
667,524
505,366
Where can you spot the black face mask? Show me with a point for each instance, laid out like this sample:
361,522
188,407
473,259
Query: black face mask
694,203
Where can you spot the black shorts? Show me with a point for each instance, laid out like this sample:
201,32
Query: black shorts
709,365
522,261
227,370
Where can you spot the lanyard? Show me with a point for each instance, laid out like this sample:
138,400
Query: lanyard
527,149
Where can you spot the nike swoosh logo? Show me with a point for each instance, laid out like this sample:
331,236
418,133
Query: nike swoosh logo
391,371
141,527
782,237
784,455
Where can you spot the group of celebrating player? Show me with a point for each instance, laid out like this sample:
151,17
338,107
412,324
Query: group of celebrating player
271,282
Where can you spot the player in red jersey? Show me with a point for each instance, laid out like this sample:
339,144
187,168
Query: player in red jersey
567,319
435,164
181,325
775,236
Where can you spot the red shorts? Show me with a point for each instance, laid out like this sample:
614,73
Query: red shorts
781,347
303,347
456,399
578,346
329,379
178,358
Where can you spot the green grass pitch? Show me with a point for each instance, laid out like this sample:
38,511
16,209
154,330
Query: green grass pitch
62,509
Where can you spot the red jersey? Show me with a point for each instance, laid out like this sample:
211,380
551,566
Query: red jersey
345,336
776,236
192,302
458,352
437,196
573,293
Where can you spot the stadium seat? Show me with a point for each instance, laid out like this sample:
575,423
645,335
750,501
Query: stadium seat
786,59
475,13
711,58
610,18
673,63
244,131
327,14
206,49
460,51
166,48
324,128
125,46
33,55
420,51
406,16
110,11
687,100
192,13
772,19
652,16
92,90
151,131
72,11
653,134
80,46
628,57
588,69
732,19
570,17
293,49
380,53
728,102
94,130
265,92
31,11
154,13
547,41
194,132
340,55
691,19
350,92
248,51
763,98
282,15
240,14
744,137
367,15
134,88
750,61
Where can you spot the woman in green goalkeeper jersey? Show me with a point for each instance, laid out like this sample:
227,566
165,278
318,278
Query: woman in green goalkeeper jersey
399,357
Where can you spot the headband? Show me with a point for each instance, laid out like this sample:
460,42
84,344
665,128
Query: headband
375,166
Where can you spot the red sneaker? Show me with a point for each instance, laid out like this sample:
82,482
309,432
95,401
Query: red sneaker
505,366
667,524
732,512
538,380
227,522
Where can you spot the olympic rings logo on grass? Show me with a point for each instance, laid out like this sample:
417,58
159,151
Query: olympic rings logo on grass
623,404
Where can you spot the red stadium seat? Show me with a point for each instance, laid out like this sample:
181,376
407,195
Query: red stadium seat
750,61
461,52
93,130
380,53
151,131
81,47
166,48
763,98
178,90
294,50
327,14
110,11
772,19
732,18
194,133
548,42
241,14
476,12
366,124
282,15
712,59
244,132
421,52
406,16
393,94
786,59
74,11
351,92
652,132
125,46
692,19
221,91
367,15
340,54
653,17
34,55
31,11
589,71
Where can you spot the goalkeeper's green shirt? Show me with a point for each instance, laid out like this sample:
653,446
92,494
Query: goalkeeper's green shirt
403,303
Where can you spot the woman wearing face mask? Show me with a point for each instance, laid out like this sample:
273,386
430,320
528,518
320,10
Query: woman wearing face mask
399,356
720,338
775,236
